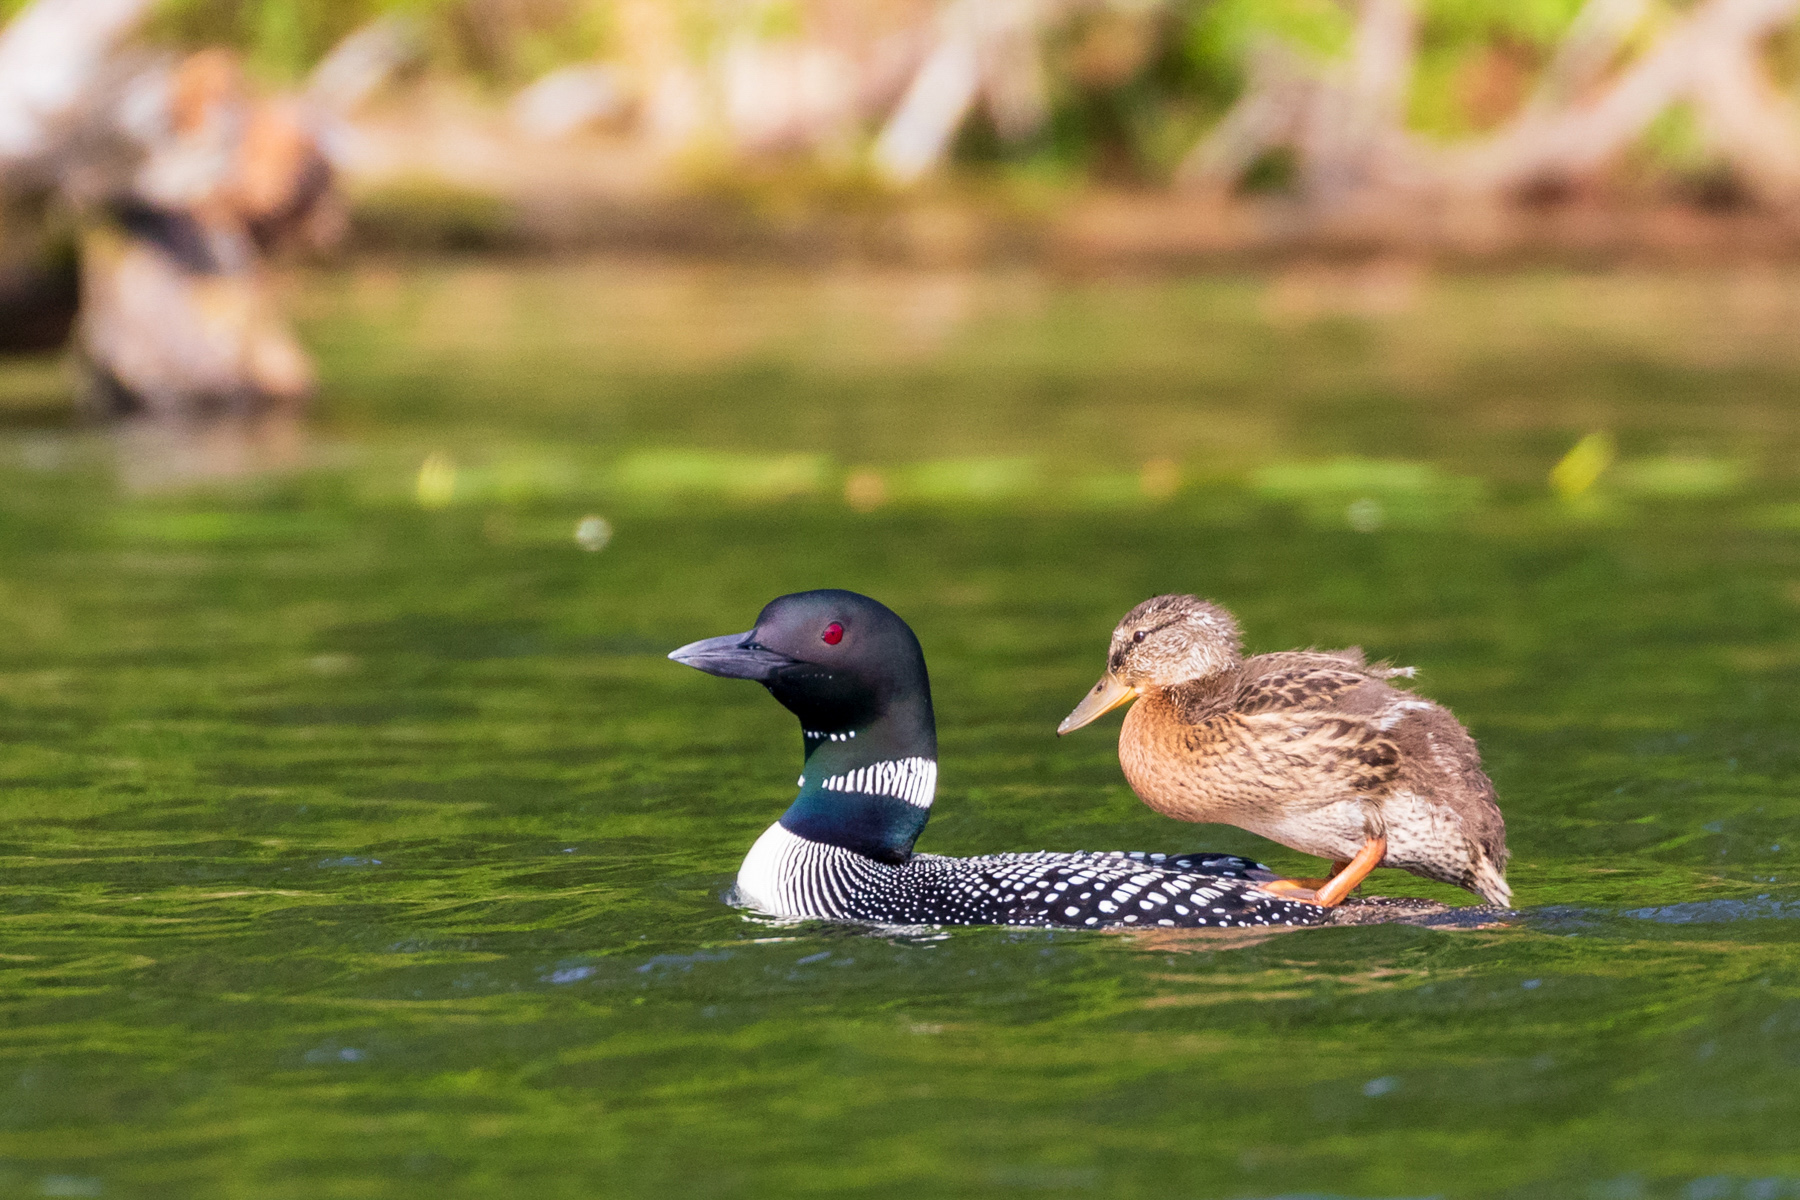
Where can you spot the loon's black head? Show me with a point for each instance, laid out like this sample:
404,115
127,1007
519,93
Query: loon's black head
854,674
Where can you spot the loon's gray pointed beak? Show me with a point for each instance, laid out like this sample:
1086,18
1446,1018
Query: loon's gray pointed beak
733,656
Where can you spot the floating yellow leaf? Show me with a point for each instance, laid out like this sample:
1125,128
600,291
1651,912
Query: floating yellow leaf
436,485
1585,462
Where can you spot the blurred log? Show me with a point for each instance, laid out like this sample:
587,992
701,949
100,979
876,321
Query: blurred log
1013,84
1350,139
170,333
177,320
1754,127
177,195
983,48
361,64
1709,58
1343,120
1269,114
51,56
1592,42
788,95
918,135
567,100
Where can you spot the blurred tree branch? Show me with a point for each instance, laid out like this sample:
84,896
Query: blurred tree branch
1344,119
51,58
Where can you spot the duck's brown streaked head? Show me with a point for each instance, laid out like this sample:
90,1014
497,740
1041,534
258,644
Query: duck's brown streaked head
1165,641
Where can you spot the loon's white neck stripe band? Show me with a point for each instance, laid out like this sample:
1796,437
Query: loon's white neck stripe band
913,780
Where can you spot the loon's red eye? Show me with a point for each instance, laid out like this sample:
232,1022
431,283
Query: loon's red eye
834,633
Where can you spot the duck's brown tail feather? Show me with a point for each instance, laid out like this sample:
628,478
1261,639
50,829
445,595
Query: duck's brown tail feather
1487,879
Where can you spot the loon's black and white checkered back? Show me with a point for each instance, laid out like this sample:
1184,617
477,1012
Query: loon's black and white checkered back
1087,890
794,876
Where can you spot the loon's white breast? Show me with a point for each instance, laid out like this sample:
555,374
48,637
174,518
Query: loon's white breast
786,875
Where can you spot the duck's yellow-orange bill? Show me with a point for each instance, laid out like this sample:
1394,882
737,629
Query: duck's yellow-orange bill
1107,695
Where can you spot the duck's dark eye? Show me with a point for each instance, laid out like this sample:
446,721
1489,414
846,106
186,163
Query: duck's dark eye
834,633
1140,635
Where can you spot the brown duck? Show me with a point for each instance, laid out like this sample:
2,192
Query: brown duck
1314,749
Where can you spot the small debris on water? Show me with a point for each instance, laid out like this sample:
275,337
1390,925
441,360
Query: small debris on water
1365,515
865,491
329,1054
68,1185
592,533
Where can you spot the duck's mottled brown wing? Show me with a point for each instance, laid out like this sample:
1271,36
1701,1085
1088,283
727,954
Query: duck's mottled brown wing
1324,716
1308,682
1324,753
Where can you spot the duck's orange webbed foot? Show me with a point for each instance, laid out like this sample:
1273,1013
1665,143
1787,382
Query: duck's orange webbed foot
1345,878
1294,889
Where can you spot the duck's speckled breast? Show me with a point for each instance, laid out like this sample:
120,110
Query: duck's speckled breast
1219,770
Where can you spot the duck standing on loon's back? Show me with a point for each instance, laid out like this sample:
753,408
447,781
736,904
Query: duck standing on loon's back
854,674
1317,750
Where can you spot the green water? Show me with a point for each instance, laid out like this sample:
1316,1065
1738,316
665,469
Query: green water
355,847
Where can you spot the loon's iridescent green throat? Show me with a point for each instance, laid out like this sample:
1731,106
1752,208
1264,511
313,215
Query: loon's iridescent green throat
854,674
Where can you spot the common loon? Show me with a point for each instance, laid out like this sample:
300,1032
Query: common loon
1314,749
854,674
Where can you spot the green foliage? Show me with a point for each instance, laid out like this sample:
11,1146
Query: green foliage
285,38
1674,139
1470,22
281,38
1460,39
1221,35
